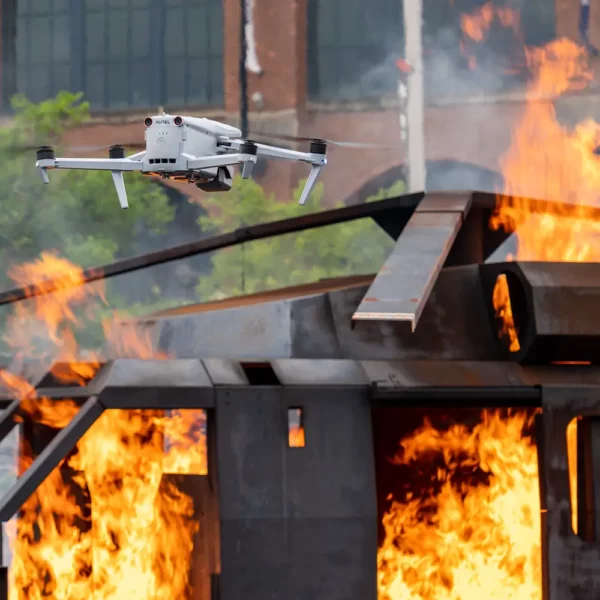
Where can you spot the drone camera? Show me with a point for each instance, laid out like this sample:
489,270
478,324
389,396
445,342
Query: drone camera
148,122
178,121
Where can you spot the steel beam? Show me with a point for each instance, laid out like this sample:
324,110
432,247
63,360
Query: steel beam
403,285
387,213
49,458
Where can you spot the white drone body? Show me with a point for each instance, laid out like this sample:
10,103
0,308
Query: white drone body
191,149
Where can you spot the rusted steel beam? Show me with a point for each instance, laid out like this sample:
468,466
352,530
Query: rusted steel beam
403,285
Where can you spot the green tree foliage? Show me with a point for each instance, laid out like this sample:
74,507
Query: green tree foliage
357,247
78,214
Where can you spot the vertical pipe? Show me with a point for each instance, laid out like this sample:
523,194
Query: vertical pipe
415,107
243,72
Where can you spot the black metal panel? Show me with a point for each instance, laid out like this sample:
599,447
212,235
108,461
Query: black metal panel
296,522
573,564
452,326
157,398
331,496
251,438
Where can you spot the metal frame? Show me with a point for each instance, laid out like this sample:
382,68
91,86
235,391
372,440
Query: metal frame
149,384
474,243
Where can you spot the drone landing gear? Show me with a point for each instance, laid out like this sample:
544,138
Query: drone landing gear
221,183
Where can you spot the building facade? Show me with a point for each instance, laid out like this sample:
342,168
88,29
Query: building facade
328,68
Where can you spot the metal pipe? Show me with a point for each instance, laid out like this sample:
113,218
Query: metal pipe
243,71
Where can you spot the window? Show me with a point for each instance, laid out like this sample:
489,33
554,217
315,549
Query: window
122,54
352,48
492,64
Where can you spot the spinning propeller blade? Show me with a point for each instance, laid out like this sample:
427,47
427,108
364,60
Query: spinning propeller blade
356,145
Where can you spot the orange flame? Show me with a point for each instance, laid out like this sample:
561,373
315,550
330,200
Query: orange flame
503,308
466,539
548,161
140,539
476,26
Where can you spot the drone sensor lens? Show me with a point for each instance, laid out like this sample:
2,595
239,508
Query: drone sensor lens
148,122
178,121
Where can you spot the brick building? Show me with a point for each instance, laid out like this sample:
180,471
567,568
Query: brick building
328,70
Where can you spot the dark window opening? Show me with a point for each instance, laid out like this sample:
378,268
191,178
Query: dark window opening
353,49
260,374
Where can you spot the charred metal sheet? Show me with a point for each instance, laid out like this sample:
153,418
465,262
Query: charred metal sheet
573,564
451,327
225,371
296,522
154,384
256,331
403,285
454,326
320,372
49,458
555,310
432,373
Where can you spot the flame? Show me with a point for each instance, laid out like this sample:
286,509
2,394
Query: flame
549,161
504,314
476,532
476,26
105,524
572,466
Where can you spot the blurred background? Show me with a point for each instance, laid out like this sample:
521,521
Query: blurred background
83,74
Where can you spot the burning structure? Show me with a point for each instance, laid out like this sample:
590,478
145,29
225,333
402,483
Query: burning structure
427,432
349,438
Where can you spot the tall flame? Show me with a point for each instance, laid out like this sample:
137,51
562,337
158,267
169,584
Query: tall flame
105,524
476,532
548,161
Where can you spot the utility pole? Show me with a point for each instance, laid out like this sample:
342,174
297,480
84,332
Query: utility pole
413,105
243,74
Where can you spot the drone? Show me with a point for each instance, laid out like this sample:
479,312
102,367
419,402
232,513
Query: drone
192,149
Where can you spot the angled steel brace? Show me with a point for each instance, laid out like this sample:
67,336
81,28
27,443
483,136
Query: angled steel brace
404,283
50,457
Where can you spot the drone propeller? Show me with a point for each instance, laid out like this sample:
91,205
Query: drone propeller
356,145
72,149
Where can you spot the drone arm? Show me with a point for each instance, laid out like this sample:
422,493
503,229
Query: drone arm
219,160
137,156
97,164
273,152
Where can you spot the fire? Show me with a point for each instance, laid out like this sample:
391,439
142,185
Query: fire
504,314
476,26
548,161
105,524
475,533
